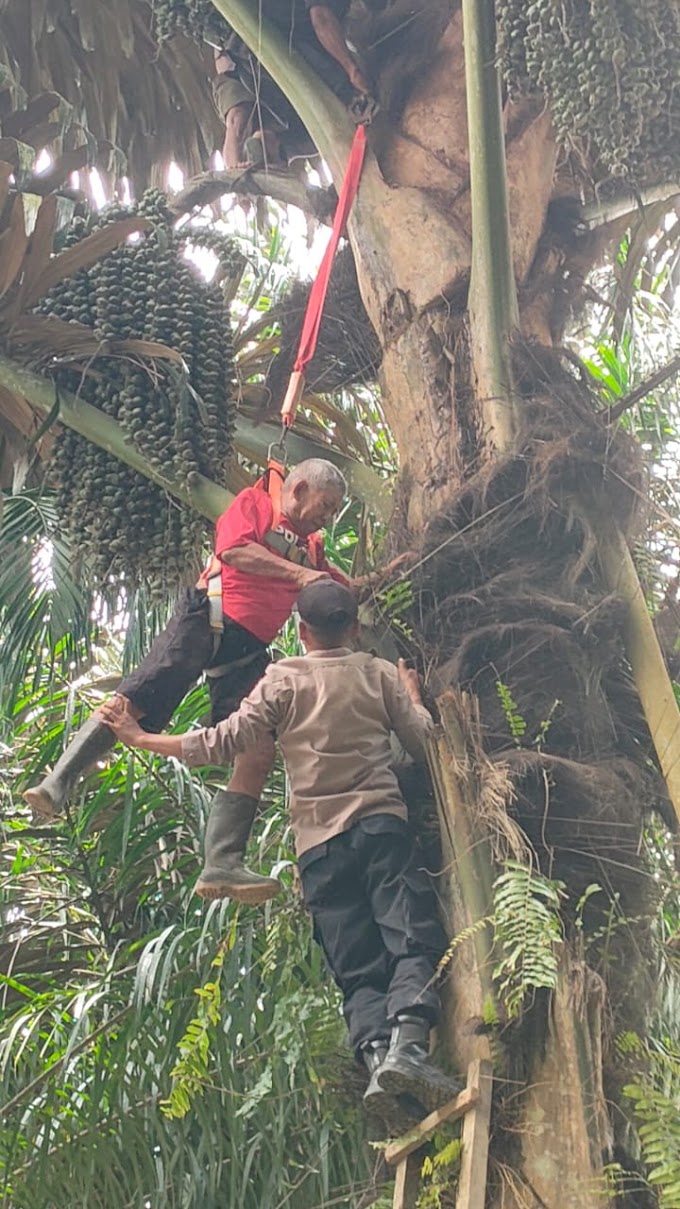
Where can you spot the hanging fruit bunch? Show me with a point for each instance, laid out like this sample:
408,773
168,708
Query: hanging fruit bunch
195,19
127,529
609,70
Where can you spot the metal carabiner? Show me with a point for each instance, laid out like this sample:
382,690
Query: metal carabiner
277,450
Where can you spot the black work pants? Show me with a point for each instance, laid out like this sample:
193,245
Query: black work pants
375,916
182,652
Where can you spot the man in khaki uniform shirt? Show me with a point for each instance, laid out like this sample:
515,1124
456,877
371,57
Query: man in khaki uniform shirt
372,907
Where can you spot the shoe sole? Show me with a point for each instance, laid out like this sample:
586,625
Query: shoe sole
398,1083
387,1118
41,804
252,896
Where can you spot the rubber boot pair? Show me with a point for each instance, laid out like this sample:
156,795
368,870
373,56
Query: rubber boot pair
229,824
403,1072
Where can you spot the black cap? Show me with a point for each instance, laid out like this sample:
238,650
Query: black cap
327,605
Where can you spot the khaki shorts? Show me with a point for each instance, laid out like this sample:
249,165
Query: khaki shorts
229,89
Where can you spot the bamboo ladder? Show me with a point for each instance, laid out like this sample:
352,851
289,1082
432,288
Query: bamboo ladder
474,1104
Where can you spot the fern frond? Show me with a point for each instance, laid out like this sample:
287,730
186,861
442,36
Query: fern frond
527,931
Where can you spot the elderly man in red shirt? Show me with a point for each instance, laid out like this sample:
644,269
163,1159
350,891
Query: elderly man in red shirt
265,561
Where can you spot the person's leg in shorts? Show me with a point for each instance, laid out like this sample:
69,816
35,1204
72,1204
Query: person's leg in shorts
251,137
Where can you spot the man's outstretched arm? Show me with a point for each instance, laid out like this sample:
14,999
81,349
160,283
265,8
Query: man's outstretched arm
329,33
257,717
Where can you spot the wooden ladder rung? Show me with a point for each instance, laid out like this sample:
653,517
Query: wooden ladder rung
396,1152
473,1103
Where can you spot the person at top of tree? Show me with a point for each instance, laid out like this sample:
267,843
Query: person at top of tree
261,127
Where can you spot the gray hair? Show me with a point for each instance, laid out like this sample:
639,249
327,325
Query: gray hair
319,474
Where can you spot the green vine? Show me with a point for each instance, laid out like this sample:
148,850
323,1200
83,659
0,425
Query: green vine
517,724
466,934
394,602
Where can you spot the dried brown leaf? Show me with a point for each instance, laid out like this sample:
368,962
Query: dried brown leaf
149,349
53,337
48,336
17,412
16,153
61,169
13,244
39,250
36,112
5,176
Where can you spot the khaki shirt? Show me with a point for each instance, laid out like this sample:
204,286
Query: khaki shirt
333,713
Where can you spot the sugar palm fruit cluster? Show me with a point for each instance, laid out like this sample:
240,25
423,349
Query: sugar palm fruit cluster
195,19
610,70
127,529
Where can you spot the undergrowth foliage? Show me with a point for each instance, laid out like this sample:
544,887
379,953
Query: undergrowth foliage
655,1095
152,1047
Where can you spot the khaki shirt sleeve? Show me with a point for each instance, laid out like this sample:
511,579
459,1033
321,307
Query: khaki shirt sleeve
412,724
258,716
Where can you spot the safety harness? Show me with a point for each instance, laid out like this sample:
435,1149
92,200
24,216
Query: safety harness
278,538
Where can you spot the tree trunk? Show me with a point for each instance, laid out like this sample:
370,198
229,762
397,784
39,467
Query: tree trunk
498,461
471,444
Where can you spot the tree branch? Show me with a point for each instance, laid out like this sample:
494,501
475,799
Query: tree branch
279,186
601,213
645,388
197,492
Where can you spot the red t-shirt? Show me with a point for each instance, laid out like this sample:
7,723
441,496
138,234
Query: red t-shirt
261,603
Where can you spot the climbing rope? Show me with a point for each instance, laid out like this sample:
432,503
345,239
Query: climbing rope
317,296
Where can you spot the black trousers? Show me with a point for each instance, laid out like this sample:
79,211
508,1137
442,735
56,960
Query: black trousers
179,655
375,916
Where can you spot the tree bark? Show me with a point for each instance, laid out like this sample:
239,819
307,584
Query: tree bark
438,305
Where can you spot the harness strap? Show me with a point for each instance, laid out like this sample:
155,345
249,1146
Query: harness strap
210,579
223,669
272,482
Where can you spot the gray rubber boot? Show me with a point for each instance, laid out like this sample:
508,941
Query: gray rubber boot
408,1069
224,875
93,740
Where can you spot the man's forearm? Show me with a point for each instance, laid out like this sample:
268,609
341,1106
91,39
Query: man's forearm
329,33
161,745
255,560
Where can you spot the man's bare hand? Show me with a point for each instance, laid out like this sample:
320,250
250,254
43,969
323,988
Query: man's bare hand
411,681
374,581
358,80
307,577
397,564
119,717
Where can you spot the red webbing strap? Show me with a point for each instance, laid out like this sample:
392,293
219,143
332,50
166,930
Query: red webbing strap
317,297
272,482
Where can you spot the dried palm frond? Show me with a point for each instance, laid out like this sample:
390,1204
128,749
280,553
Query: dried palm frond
122,88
